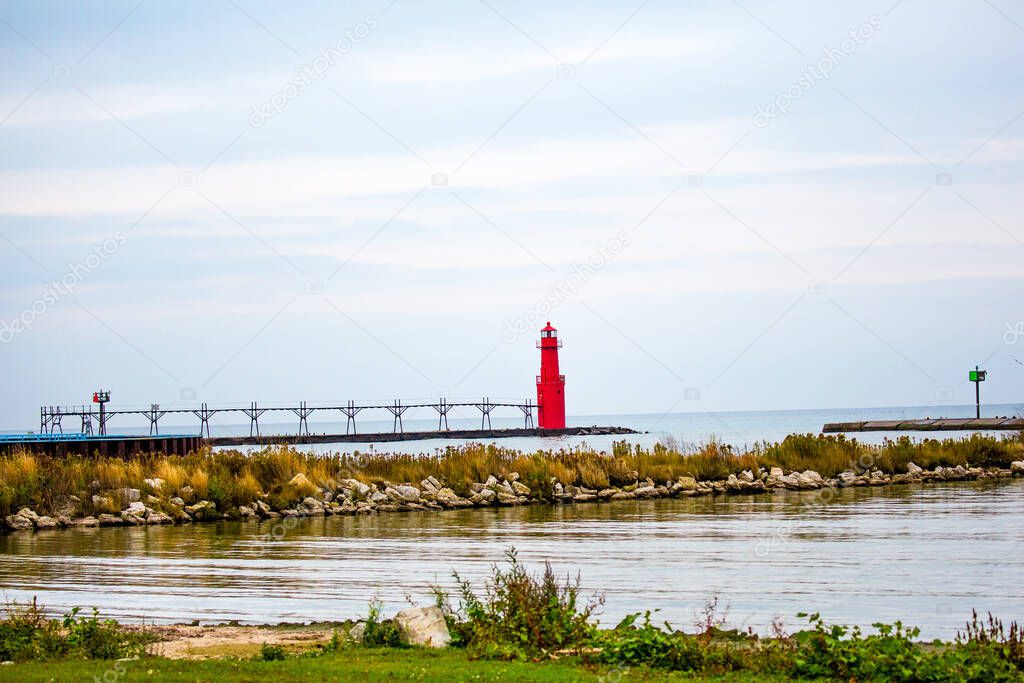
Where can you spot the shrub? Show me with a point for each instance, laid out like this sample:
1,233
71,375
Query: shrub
646,644
271,653
27,634
892,654
199,480
247,488
1007,644
525,616
221,491
96,639
380,632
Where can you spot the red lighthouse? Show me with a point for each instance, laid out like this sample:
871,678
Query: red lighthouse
550,384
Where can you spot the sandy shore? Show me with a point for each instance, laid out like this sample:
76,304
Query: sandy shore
207,642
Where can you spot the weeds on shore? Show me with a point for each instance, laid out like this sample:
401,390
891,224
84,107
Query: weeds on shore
232,478
26,633
521,615
528,616
378,631
533,617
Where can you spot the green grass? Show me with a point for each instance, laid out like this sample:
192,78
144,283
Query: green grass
352,664
525,627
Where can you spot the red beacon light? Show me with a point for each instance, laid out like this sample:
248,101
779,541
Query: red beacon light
550,384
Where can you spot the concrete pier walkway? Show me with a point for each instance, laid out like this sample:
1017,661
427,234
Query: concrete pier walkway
381,437
942,424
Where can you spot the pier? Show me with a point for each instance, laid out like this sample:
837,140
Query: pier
86,444
942,424
181,444
51,418
91,435
414,436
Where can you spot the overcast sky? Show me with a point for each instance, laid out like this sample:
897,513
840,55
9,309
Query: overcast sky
721,205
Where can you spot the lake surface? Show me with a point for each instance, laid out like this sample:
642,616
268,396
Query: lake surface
924,554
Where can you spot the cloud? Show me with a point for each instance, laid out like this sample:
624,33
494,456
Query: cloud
292,183
447,66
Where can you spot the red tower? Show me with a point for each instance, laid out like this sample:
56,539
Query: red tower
550,384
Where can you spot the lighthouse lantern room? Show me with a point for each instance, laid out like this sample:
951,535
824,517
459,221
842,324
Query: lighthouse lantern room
550,384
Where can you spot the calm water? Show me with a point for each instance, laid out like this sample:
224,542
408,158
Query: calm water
927,555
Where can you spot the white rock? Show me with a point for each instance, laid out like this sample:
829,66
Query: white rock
28,514
687,483
486,495
913,470
154,517
813,476
409,494
300,479
804,480
356,486
520,488
47,523
137,509
1017,467
312,503
131,495
202,507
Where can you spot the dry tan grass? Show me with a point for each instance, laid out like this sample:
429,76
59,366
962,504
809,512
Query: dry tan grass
231,478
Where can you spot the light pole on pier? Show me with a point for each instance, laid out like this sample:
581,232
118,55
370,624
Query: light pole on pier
977,376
